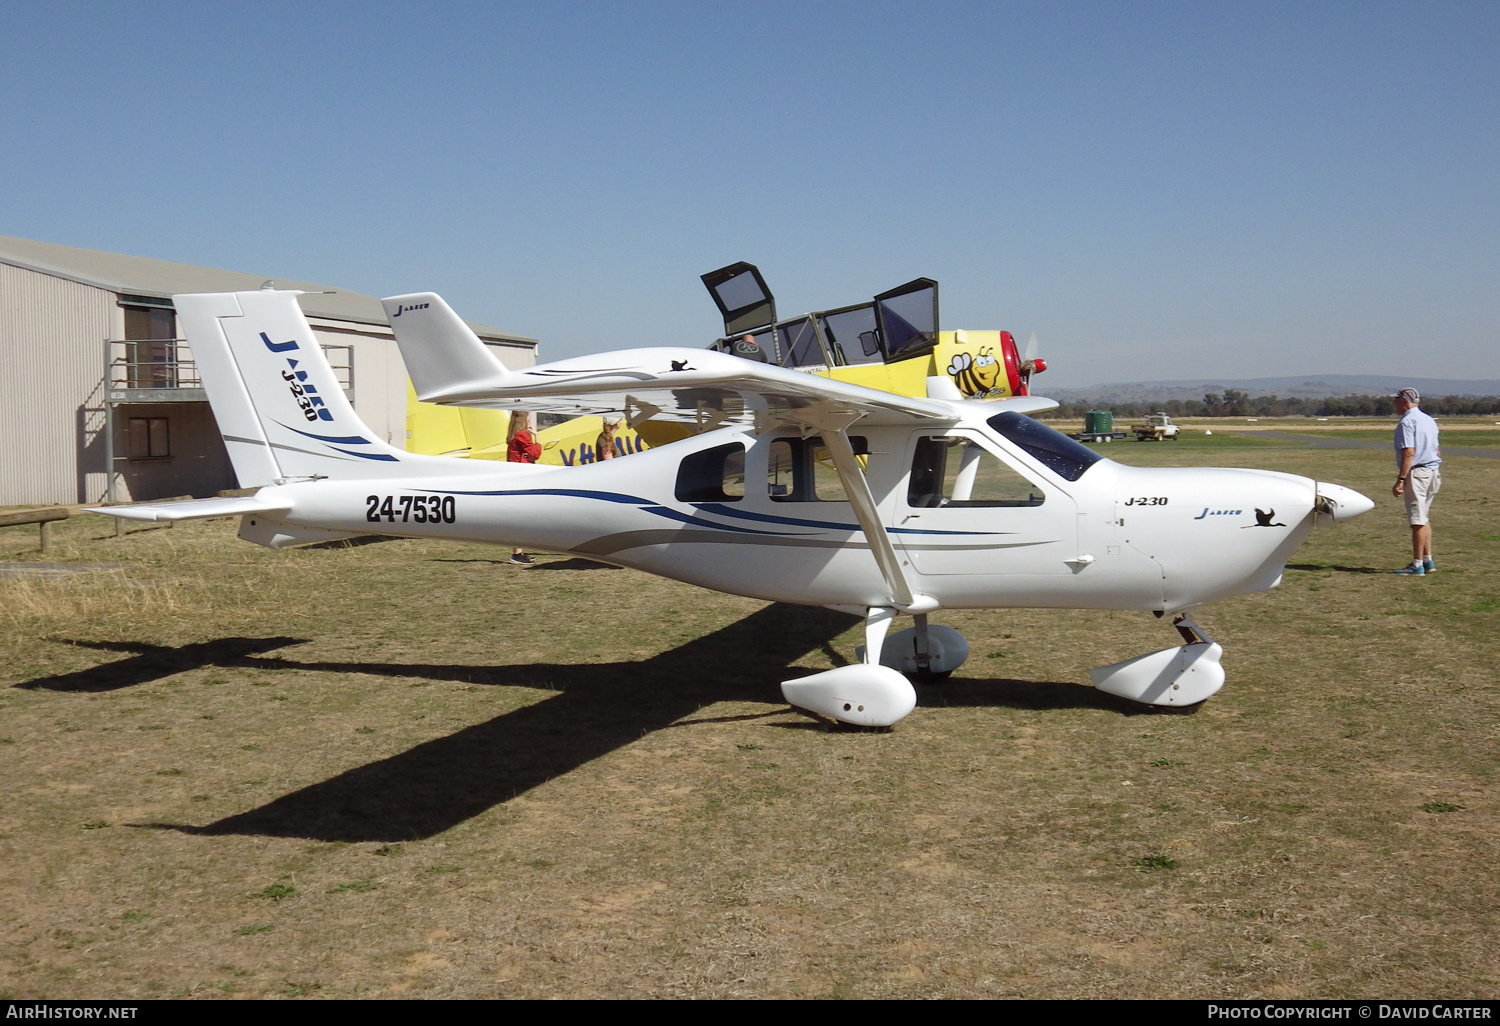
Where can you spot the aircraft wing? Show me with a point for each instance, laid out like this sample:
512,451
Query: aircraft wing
449,365
693,386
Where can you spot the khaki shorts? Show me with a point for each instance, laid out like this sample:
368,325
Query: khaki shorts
1421,486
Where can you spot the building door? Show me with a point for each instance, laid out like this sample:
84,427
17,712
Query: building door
151,355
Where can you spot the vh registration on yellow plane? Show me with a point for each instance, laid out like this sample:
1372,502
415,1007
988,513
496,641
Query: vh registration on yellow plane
786,486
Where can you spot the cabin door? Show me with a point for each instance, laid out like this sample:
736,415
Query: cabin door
968,510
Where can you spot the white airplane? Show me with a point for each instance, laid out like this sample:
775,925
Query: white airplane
796,489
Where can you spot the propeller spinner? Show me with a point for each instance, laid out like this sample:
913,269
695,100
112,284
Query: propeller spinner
1030,364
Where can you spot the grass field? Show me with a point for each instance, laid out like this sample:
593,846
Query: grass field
406,768
1449,436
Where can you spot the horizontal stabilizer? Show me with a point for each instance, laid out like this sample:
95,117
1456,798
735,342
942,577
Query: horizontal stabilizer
194,509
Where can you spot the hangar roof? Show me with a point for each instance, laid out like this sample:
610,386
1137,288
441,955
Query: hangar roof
147,276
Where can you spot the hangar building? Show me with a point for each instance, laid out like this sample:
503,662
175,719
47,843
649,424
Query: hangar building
93,374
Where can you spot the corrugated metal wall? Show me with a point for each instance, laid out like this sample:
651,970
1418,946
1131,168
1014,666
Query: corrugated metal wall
52,334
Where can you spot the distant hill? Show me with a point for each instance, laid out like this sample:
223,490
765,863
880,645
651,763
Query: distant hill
1302,386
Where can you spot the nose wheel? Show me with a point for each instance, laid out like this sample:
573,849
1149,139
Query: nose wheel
1175,677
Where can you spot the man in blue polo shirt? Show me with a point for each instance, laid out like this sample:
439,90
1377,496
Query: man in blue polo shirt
1417,476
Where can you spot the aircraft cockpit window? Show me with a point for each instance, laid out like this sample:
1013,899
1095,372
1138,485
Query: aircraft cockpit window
802,470
1053,449
797,345
953,471
742,297
851,335
908,318
740,291
712,475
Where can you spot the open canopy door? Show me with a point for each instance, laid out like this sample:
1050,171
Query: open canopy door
908,318
742,297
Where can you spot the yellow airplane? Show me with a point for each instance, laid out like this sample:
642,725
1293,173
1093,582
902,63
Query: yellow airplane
890,343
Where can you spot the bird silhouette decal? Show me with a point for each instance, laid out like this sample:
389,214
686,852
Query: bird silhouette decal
1263,519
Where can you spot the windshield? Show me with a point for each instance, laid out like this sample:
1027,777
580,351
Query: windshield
797,345
1052,449
852,334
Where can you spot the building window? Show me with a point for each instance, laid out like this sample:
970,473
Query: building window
149,439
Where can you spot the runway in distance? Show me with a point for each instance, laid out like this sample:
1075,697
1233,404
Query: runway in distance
789,487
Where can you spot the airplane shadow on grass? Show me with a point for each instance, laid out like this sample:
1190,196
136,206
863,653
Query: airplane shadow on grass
1313,567
598,708
153,662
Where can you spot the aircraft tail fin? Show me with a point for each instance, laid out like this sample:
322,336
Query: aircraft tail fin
279,406
441,352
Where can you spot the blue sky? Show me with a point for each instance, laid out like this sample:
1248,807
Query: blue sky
1158,190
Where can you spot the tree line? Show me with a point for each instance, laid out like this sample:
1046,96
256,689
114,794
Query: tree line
1234,403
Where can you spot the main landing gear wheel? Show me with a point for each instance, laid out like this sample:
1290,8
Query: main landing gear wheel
877,691
861,695
947,650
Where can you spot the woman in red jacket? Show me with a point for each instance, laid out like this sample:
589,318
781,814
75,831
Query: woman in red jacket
521,447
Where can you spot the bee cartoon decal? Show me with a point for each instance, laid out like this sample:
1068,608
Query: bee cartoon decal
975,375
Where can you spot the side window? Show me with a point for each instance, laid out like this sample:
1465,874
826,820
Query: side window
953,471
781,477
148,438
802,470
712,475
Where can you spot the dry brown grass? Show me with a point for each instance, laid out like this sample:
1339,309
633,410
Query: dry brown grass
407,769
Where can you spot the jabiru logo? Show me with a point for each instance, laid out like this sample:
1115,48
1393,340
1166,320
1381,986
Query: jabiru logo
415,306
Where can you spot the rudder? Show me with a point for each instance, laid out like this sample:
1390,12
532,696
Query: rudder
442,353
281,410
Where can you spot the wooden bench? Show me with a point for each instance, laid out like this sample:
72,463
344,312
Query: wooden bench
41,517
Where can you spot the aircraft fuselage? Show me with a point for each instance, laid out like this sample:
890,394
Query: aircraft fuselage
762,515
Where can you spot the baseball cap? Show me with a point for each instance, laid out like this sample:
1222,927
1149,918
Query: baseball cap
1410,395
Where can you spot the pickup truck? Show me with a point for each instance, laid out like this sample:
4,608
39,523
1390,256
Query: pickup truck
1158,426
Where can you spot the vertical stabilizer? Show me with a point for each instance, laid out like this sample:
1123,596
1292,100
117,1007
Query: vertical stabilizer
441,351
281,410
249,450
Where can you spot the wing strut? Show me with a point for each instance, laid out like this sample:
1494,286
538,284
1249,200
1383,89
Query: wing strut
833,423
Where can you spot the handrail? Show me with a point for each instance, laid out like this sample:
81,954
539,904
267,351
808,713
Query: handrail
162,363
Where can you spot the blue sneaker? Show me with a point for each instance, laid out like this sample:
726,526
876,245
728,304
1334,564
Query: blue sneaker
1428,566
1414,569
